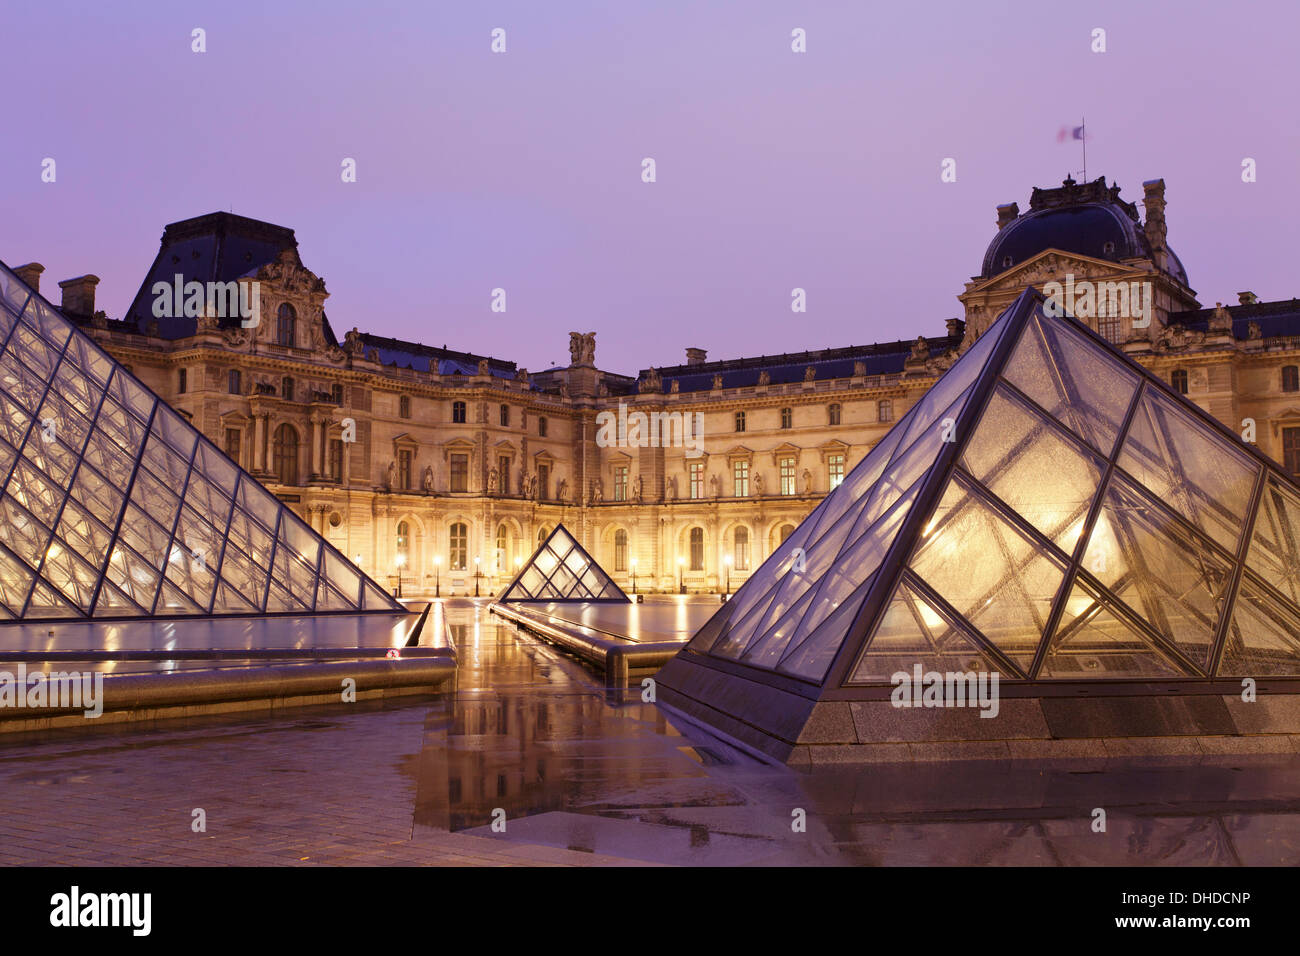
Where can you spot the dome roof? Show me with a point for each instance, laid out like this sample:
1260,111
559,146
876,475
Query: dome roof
1089,219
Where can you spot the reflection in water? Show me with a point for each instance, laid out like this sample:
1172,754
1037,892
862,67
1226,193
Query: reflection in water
534,734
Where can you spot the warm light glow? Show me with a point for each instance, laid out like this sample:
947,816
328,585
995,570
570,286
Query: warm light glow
727,560
437,559
401,560
680,562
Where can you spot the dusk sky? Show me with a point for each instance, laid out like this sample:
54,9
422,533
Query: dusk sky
523,170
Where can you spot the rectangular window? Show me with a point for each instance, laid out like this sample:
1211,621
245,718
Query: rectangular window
458,547
620,483
833,414
740,421
786,466
404,406
505,416
835,466
541,426
404,469
236,384
543,482
232,444
336,459
697,480
1109,328
337,394
1291,450
503,480
458,413
740,478
885,410
787,418
286,388
460,472
181,381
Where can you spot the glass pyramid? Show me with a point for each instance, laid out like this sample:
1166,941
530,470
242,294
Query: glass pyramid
562,570
114,506
1049,510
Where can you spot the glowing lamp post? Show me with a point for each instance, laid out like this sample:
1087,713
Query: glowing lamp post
634,575
477,574
401,560
437,575
727,561
681,580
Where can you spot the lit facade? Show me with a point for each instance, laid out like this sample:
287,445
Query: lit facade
463,463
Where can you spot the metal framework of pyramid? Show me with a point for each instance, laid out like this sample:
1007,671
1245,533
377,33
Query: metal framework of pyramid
1049,511
562,570
114,506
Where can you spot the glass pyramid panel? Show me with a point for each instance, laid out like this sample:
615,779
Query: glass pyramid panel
1202,476
1159,568
912,632
1094,642
1275,544
562,570
114,505
999,580
1073,379
1264,637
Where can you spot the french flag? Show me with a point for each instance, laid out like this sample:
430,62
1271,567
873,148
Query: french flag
1069,133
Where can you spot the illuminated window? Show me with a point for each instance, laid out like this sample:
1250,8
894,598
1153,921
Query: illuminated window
740,479
620,483
503,547
460,472
835,467
403,542
786,466
458,546
697,549
620,550
740,548
285,325
696,482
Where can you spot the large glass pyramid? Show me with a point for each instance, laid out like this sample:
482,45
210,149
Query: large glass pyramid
1049,511
114,506
562,570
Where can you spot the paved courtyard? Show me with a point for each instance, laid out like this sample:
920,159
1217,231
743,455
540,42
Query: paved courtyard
578,776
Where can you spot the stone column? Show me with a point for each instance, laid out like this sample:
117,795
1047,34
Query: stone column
259,444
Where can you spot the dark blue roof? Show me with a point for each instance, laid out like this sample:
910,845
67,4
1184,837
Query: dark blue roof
1275,319
422,357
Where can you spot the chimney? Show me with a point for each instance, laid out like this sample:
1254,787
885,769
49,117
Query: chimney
1154,201
31,274
79,295
1007,213
956,328
1247,298
696,356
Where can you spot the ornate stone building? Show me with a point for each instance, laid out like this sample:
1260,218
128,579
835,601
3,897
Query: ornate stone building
447,468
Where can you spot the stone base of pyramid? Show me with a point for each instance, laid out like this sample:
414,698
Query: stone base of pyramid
784,727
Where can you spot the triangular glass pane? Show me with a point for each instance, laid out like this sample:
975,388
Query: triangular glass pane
1206,479
20,531
46,602
562,570
1264,636
51,328
84,533
1162,571
113,603
1275,544
133,575
913,634
172,600
14,422
13,292
230,601
74,578
1042,476
145,536
812,655
375,598
764,648
1093,642
122,427
15,582
342,576
997,579
1073,379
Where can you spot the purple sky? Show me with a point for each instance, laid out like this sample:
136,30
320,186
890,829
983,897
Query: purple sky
522,170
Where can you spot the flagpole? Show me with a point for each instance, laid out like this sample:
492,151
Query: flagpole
1084,139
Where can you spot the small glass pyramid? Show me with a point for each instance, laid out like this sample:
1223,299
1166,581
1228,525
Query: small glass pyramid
114,506
1049,510
562,570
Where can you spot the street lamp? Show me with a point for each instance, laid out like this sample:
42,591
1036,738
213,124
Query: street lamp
401,560
437,575
634,576
477,574
681,581
727,561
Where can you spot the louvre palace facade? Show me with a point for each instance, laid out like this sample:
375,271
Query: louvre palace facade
446,469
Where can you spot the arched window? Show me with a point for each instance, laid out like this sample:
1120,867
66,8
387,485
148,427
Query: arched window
833,414
286,325
403,552
697,549
787,418
620,550
786,531
1290,378
285,449
741,549
1179,381
236,382
458,546
542,533
503,548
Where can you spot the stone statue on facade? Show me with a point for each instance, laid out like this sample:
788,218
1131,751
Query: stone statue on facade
675,387
672,487
806,479
392,475
809,374
714,487
523,481
637,487
483,368
562,490
717,380
493,478
1220,321
765,377
597,491
859,369
758,484
427,484
653,381
582,348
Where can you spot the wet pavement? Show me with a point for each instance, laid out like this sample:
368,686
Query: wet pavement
531,741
